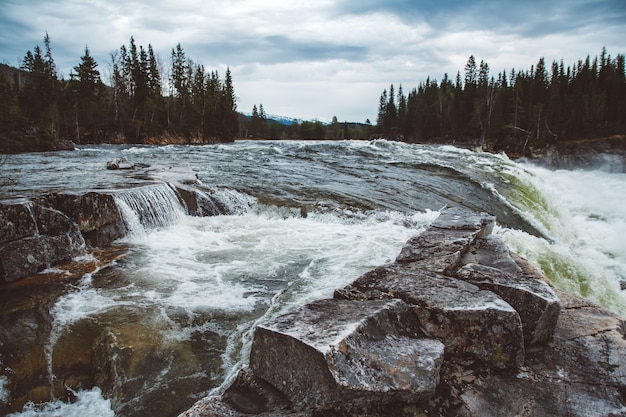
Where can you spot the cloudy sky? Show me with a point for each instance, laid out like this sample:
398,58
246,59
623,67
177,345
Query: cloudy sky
315,59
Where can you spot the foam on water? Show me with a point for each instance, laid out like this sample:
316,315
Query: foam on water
231,262
584,213
4,382
89,403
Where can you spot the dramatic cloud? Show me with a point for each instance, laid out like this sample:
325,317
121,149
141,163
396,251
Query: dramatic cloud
319,59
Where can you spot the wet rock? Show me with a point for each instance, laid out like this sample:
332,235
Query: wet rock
96,214
120,163
348,354
442,246
457,218
53,239
534,300
251,395
580,369
25,325
16,222
23,258
198,202
492,251
473,324
582,372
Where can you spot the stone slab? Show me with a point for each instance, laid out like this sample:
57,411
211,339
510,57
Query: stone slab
534,300
472,323
347,352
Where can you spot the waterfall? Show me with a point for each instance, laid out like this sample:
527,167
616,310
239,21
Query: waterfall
149,207
226,201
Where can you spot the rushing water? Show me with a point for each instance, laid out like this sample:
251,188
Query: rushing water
188,291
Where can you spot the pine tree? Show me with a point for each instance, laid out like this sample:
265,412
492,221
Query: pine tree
38,98
87,86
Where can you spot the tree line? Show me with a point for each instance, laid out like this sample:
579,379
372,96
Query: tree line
137,104
260,126
511,111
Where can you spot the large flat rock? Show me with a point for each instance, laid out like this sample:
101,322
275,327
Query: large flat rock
336,353
534,300
472,323
441,247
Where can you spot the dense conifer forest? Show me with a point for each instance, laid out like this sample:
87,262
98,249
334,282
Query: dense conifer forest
38,110
145,100
511,111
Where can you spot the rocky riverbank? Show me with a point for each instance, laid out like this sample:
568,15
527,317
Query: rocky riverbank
455,326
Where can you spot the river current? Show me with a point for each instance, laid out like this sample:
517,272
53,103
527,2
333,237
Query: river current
305,218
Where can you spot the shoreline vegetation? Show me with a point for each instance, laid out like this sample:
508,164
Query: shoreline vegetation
521,113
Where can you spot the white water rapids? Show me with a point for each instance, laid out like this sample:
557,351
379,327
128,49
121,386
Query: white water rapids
198,285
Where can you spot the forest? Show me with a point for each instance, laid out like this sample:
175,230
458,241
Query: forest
38,109
147,101
513,111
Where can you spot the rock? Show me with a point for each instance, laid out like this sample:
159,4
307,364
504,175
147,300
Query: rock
96,214
604,153
580,369
50,239
492,251
251,395
456,218
442,246
120,163
537,305
582,372
16,221
198,202
348,354
472,324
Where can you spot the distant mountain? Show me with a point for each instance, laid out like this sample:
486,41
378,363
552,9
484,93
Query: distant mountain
283,120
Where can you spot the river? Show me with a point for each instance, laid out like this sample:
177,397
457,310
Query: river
305,217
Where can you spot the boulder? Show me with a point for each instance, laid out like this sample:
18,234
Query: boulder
52,238
120,163
582,372
16,221
462,286
534,300
492,251
473,324
339,354
96,214
442,246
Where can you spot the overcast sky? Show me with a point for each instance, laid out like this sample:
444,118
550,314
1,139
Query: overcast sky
315,59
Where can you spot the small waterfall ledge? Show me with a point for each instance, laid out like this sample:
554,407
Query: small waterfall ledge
54,228
457,325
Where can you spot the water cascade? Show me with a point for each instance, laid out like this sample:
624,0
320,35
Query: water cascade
149,207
